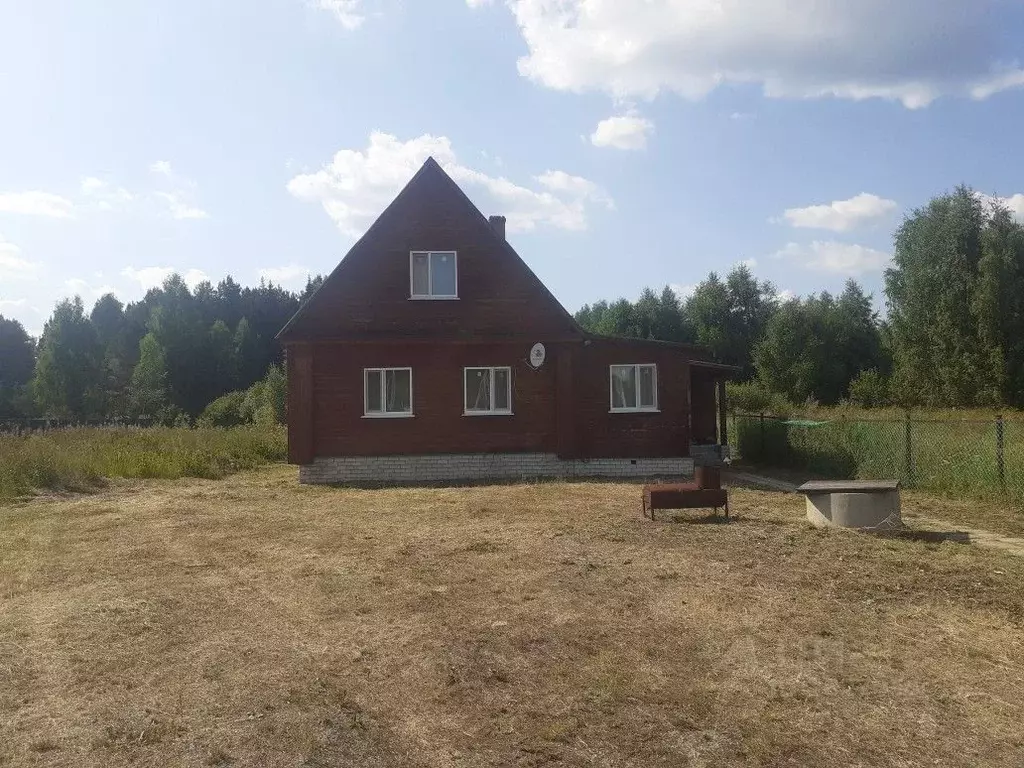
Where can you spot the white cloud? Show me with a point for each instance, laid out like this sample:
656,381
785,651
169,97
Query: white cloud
1015,203
575,186
477,3
148,277
355,186
996,82
162,168
831,256
35,203
287,275
12,303
749,263
348,12
683,291
178,209
496,159
785,295
622,132
105,196
194,277
91,185
842,215
153,277
87,290
790,48
178,196
13,265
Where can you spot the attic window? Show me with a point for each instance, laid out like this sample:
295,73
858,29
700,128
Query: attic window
433,275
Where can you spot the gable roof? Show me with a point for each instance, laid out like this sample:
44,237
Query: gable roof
299,326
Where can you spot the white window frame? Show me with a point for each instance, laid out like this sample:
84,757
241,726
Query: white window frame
429,296
493,411
636,373
367,413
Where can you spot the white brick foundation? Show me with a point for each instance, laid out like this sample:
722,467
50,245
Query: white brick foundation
475,467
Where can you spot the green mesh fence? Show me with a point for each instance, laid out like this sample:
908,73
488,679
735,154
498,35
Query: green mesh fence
964,458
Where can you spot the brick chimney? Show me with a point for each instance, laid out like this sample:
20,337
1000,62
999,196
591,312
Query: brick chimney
498,224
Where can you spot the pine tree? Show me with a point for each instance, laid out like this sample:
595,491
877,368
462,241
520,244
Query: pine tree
17,362
68,378
148,390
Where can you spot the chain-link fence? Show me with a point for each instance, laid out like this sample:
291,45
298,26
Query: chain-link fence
966,458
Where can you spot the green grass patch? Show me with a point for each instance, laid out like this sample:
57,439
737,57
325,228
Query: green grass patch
954,457
81,459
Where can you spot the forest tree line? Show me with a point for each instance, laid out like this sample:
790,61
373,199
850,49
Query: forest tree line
953,335
165,358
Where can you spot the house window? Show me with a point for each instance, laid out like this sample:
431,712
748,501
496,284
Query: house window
634,388
488,391
433,275
387,392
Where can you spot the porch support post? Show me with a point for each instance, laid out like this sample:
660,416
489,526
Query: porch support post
723,417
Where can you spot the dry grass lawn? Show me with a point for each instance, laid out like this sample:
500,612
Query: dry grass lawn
253,622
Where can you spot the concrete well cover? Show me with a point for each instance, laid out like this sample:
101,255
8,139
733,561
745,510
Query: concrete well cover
854,504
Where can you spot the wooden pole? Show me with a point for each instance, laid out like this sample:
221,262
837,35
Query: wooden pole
909,453
1000,459
723,415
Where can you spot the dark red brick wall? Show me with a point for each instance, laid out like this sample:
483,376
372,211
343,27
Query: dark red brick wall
301,402
632,435
368,295
562,408
438,425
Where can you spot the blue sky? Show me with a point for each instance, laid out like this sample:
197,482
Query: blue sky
629,144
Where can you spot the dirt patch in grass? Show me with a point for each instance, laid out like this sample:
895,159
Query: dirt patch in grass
1002,517
253,622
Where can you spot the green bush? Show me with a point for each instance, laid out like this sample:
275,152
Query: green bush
80,459
265,400
755,397
263,403
870,390
225,411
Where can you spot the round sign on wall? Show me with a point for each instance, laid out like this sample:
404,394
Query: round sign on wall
537,355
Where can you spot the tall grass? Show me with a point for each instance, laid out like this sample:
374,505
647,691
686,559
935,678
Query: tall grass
82,458
956,457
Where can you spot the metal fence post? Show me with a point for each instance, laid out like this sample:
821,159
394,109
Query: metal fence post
909,452
1000,462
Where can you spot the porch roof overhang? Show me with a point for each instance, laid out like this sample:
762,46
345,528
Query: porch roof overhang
723,370
693,352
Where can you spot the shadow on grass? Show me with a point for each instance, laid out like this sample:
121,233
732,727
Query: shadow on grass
929,537
689,519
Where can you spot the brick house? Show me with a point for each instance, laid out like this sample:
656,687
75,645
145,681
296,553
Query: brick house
432,353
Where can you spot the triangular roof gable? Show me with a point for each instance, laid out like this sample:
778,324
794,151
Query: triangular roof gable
429,196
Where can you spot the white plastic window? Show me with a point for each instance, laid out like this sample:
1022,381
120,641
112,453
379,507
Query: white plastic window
633,388
387,392
433,275
488,391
